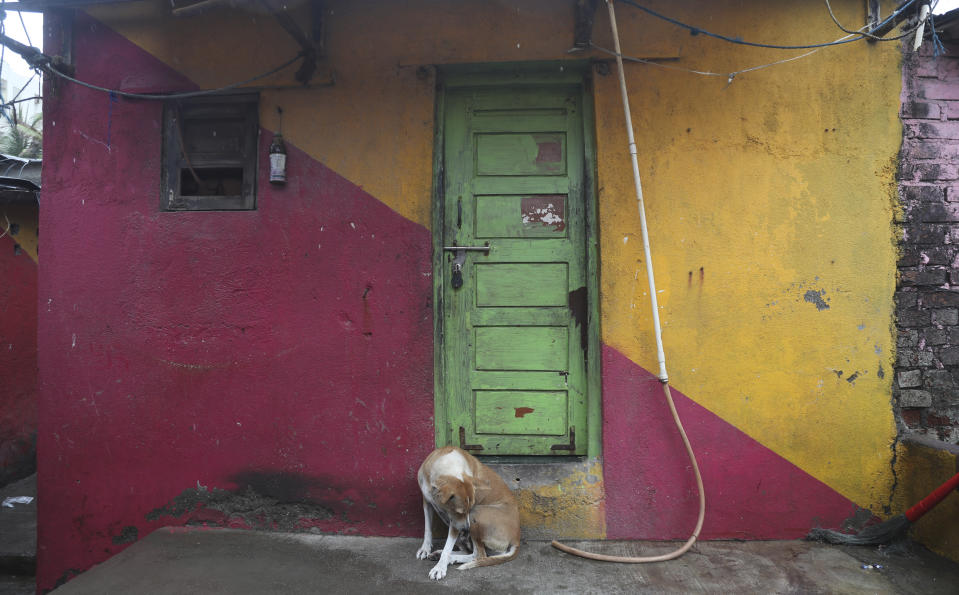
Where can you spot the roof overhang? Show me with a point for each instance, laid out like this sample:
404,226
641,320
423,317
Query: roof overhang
19,179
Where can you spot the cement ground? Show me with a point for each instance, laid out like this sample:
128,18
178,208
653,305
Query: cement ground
18,538
197,560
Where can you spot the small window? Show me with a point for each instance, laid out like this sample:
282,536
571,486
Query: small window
209,154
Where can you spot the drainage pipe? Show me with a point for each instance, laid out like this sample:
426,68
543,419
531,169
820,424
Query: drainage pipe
661,358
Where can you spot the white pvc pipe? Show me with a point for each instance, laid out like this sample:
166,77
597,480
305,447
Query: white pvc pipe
921,29
659,344
657,330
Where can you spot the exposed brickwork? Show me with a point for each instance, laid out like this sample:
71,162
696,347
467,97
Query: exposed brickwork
926,387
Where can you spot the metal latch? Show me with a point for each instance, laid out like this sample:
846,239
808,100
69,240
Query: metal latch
572,441
463,443
459,259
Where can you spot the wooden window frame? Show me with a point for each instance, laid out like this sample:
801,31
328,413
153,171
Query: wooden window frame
175,163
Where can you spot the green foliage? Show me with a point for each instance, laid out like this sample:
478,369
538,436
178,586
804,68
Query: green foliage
22,136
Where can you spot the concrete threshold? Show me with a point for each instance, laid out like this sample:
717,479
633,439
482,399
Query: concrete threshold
206,560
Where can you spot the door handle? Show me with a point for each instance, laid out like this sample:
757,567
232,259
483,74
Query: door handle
483,248
459,259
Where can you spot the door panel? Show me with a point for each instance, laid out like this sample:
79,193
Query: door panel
526,284
522,348
514,377
520,154
542,412
541,215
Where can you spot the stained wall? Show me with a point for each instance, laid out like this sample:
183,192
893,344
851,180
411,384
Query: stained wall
207,367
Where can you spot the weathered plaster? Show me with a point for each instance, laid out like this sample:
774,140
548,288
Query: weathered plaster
756,184
187,349
758,192
558,500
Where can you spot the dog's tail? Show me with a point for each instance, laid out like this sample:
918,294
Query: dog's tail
506,556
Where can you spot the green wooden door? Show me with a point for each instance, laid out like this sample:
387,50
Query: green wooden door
513,338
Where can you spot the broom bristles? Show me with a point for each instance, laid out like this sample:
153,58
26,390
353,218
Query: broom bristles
885,532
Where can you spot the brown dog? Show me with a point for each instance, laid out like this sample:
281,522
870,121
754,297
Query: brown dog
468,496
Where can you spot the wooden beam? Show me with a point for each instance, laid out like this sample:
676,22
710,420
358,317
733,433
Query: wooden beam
583,17
41,5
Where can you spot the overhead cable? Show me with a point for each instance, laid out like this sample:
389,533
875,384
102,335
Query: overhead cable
40,61
699,31
729,76
870,36
159,96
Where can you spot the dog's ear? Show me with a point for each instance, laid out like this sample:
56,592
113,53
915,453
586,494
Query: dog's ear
436,489
443,492
470,496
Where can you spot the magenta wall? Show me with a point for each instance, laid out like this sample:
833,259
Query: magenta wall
751,492
286,349
18,361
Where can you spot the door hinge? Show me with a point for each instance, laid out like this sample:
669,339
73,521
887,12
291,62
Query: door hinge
572,441
463,443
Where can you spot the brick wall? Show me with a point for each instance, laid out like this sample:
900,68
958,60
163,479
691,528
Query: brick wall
927,297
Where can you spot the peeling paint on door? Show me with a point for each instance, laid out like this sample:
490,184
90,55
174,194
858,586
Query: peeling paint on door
547,210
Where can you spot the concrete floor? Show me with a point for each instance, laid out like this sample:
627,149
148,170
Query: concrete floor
18,539
181,560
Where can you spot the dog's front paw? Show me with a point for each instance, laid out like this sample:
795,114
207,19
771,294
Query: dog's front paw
423,553
438,572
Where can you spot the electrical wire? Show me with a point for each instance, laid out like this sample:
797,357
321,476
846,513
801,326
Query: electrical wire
729,76
854,36
22,89
26,33
3,49
13,102
869,35
47,67
24,25
937,45
698,31
7,230
4,104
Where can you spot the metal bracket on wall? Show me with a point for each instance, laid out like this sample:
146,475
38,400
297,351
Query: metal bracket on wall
311,44
572,442
872,13
583,16
463,443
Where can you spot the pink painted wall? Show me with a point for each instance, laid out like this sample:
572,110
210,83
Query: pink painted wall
18,362
752,493
286,349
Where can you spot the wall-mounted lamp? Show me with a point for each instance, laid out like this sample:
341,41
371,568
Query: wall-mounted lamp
278,154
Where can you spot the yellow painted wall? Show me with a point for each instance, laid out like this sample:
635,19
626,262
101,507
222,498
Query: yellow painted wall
758,192
27,237
769,198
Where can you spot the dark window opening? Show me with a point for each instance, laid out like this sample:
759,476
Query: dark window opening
214,181
209,158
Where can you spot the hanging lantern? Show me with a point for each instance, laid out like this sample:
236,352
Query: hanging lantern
278,155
